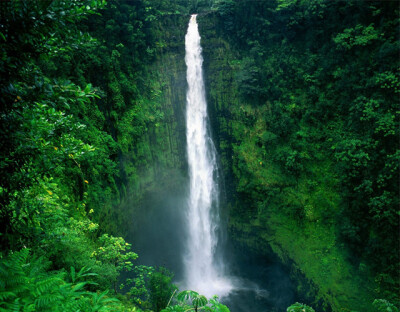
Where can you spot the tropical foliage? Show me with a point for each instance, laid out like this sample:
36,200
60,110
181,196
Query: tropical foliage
304,106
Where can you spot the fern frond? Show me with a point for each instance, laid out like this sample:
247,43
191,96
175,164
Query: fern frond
84,272
18,259
14,306
5,295
47,300
83,304
76,305
3,270
73,275
79,286
47,285
16,284
37,267
65,291
101,303
97,298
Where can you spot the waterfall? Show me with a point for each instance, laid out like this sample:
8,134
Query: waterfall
204,273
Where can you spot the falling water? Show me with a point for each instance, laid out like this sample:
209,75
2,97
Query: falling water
204,273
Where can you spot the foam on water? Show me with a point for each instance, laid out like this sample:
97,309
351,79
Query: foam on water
203,272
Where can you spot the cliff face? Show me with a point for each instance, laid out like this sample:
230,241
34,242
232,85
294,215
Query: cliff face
156,196
273,210
277,150
303,102
264,201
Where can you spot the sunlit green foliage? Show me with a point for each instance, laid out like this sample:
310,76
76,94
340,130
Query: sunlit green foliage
58,160
305,99
190,300
382,305
26,285
299,307
161,288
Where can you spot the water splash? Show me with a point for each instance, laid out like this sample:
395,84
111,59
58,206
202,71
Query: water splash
204,273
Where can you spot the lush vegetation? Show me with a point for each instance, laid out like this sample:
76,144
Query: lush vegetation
67,109
304,104
308,122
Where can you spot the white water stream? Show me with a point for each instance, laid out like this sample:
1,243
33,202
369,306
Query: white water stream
204,273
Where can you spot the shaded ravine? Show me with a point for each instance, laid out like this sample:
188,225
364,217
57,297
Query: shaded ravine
162,231
251,284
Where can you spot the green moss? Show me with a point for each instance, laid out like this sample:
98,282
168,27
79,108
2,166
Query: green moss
277,206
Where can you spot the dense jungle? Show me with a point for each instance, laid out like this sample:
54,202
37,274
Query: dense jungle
303,104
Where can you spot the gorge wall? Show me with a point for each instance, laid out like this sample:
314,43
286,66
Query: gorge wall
270,211
279,137
303,102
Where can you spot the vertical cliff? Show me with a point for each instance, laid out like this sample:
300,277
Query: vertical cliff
283,199
279,105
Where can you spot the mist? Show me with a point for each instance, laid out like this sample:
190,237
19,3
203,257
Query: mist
158,234
260,283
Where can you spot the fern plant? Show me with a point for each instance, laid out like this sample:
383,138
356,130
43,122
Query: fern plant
189,300
382,305
300,307
26,285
